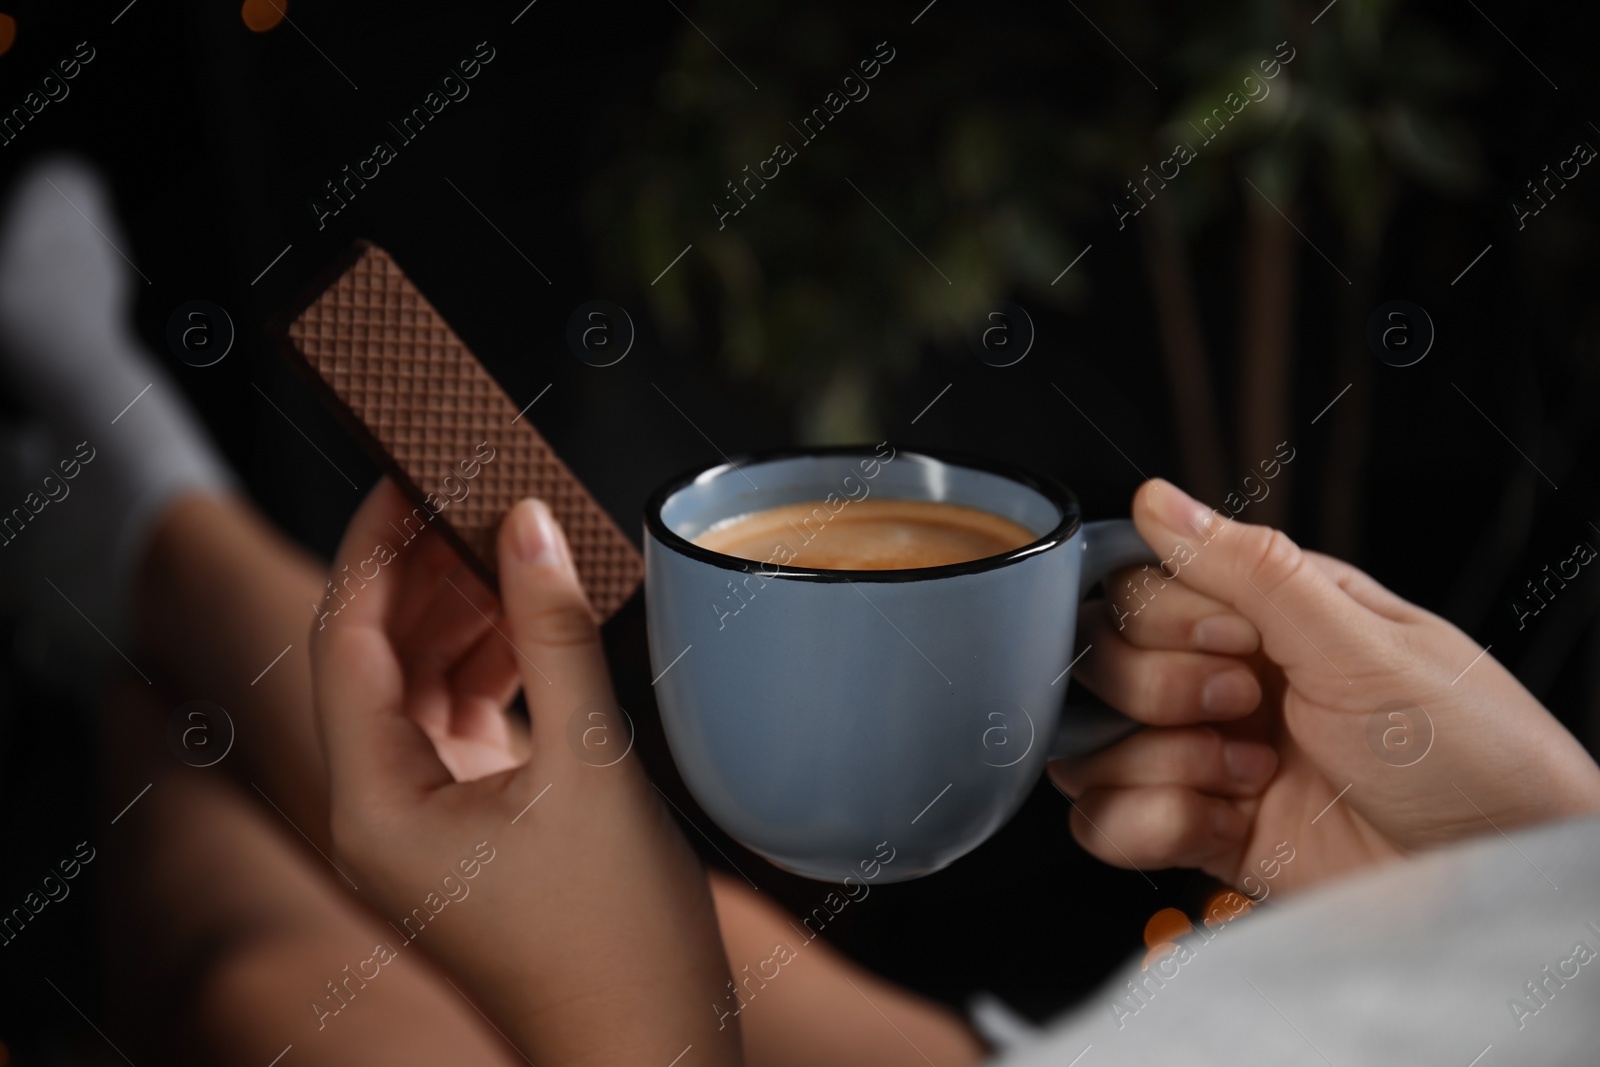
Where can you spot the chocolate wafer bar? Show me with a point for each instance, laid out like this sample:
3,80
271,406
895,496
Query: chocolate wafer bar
431,415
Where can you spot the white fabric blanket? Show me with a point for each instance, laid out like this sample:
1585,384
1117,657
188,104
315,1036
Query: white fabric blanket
1485,954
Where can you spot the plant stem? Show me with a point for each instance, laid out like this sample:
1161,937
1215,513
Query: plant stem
1201,452
1266,331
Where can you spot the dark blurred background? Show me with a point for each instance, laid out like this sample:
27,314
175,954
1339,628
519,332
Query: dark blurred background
1185,341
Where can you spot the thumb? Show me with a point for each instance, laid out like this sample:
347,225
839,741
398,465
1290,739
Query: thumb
1305,619
553,628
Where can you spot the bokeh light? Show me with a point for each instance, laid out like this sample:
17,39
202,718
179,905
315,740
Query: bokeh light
1166,925
8,33
1226,905
1161,931
263,15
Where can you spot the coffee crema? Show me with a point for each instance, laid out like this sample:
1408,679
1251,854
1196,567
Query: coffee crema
866,535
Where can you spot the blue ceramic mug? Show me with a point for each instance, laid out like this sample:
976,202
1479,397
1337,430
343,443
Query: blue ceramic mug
829,718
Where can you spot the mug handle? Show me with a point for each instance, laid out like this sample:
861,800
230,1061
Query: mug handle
1084,728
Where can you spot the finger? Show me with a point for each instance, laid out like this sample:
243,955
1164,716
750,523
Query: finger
372,548
1163,688
373,748
460,612
429,562
1305,619
1196,757
487,676
480,736
1157,826
551,624
1153,611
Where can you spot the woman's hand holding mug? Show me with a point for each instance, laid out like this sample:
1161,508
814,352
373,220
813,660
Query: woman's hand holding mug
1262,671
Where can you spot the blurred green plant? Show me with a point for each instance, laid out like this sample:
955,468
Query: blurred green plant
808,291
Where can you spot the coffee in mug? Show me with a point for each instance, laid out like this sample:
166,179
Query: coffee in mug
867,535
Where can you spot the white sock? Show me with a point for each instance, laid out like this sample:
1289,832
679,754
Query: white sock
67,346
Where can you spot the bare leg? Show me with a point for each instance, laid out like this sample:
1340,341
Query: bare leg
864,1019
230,934
218,595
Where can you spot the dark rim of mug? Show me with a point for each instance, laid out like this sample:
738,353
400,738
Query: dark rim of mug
1052,490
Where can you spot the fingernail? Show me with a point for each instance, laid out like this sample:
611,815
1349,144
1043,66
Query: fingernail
1180,511
538,538
1232,691
1229,635
1228,822
1248,763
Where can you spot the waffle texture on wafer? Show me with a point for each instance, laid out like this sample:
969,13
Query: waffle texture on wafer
428,411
